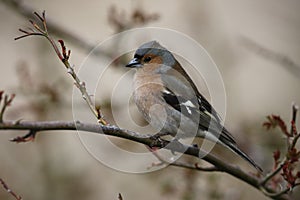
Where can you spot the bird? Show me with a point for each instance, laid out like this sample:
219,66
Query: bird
170,102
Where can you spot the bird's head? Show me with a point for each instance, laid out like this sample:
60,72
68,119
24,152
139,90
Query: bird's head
150,54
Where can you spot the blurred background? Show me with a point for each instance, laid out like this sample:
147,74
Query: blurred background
255,45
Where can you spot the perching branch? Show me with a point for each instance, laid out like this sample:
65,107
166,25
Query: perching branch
148,140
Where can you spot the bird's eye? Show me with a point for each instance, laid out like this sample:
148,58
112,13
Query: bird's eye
147,59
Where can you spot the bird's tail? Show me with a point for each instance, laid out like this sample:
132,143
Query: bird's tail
233,147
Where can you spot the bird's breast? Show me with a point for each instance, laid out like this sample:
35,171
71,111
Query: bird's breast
146,93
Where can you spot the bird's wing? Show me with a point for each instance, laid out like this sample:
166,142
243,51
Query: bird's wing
190,109
183,95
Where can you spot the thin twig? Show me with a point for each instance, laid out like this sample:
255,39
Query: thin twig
294,116
195,167
295,140
64,56
182,164
271,55
273,173
278,194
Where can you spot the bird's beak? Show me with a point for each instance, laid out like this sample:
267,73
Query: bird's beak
134,63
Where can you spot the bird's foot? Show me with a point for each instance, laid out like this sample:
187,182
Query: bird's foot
157,141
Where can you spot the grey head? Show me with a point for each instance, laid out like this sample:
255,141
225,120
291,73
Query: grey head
147,51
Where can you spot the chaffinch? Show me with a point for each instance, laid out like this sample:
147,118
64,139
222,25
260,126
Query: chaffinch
169,100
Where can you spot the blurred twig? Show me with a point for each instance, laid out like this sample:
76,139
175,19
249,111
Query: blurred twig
10,191
271,55
5,101
41,96
120,20
120,196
